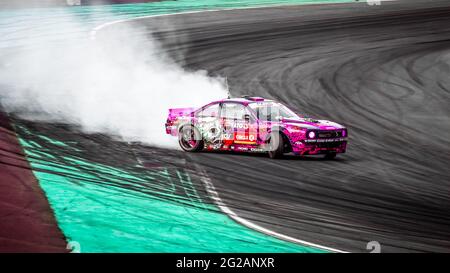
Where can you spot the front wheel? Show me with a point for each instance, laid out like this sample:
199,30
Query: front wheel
276,145
330,156
190,139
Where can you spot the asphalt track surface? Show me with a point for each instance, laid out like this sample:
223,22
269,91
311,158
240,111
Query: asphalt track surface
383,71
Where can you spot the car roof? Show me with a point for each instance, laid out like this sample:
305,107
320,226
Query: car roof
245,100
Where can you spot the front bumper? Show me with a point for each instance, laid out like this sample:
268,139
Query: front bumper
319,146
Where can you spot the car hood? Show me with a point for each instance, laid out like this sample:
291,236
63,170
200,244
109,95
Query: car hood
309,123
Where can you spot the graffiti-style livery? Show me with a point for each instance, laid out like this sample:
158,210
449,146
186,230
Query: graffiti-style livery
254,124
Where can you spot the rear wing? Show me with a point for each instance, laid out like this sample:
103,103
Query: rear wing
172,122
179,112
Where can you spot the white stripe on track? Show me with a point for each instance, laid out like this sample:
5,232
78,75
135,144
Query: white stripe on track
214,195
94,31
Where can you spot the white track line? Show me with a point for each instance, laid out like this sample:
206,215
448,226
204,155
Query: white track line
203,176
94,31
215,196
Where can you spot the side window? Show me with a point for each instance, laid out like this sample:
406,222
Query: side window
210,111
233,111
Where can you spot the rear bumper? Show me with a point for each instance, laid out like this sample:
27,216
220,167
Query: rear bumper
171,130
319,146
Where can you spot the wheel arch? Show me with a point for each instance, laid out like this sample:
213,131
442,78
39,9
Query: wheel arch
281,130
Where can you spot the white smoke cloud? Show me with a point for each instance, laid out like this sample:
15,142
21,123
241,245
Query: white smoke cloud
119,84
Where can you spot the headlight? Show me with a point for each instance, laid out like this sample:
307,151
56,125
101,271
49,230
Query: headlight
311,134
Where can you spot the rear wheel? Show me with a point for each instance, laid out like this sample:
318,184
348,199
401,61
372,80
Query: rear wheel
190,139
276,145
330,156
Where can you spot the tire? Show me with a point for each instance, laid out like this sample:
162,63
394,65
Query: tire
190,139
276,145
330,156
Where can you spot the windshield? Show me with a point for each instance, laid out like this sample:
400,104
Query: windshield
272,111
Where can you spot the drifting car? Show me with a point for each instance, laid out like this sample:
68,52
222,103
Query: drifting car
254,124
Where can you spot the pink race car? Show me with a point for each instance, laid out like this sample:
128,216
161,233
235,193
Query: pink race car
254,124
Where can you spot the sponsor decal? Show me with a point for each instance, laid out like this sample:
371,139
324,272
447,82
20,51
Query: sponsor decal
324,140
227,136
236,124
245,138
227,139
214,146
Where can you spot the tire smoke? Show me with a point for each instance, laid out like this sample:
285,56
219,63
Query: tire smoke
121,83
